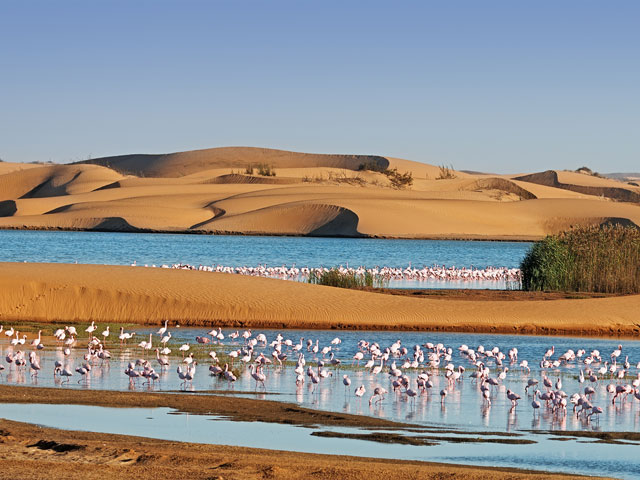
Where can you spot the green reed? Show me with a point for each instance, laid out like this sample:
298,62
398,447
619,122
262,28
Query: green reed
335,278
604,259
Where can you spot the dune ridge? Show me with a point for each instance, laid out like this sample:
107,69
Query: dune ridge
80,293
185,163
586,184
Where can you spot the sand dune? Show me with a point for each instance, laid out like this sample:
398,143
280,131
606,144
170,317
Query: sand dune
207,191
586,184
54,180
8,167
185,163
65,293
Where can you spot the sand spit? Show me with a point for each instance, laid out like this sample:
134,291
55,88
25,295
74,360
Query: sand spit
29,450
230,407
80,293
210,191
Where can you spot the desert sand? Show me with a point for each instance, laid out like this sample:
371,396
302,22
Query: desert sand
81,293
209,191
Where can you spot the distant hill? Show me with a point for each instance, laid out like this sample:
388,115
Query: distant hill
623,177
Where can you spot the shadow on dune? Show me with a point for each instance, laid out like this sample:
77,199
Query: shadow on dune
115,224
345,224
8,208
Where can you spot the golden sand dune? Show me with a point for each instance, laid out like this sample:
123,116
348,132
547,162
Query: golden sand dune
207,191
8,167
54,180
185,163
299,218
586,184
65,293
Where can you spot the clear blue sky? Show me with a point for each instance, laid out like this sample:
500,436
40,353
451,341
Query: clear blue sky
502,86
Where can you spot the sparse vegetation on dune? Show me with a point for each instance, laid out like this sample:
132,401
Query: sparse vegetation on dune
446,173
603,259
265,170
588,171
398,180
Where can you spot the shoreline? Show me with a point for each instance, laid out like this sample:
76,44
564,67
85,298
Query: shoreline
231,233
27,449
63,442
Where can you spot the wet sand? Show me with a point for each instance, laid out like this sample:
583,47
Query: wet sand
63,293
233,408
33,452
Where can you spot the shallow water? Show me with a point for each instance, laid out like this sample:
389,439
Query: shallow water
158,249
585,457
463,406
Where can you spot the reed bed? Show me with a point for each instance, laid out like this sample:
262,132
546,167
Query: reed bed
336,278
603,259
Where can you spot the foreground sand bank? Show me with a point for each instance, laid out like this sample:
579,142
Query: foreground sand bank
81,293
29,450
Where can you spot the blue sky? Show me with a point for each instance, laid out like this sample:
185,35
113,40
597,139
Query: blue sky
493,86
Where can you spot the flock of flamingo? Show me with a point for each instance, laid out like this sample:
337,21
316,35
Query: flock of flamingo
432,273
399,370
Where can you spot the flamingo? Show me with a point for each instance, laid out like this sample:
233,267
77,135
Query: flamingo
532,382
162,330
357,357
163,362
514,397
83,373
258,376
132,373
165,339
184,348
346,381
66,373
378,392
595,411
34,364
535,404
360,391
486,395
36,341
228,375
91,328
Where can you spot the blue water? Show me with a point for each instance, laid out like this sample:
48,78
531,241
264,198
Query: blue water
125,248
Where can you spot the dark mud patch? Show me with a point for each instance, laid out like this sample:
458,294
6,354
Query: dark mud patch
418,441
55,446
378,437
602,436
